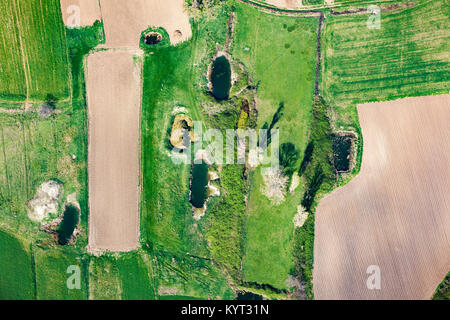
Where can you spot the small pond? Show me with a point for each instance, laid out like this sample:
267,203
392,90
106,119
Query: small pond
342,151
221,78
68,224
152,38
199,184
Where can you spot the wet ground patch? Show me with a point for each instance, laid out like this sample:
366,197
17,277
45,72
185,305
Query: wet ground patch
343,151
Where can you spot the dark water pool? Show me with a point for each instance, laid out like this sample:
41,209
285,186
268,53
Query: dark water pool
221,78
342,151
68,224
199,184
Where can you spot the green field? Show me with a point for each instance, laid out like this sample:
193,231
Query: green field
34,151
136,277
51,274
33,43
280,54
104,281
407,56
16,269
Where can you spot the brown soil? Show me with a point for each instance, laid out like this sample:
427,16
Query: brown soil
124,21
113,95
396,212
89,11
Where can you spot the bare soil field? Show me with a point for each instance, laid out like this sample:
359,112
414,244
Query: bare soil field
114,100
89,11
396,213
125,20
286,4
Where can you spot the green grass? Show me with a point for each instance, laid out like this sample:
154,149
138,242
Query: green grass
279,53
104,279
269,236
136,278
16,269
173,77
51,274
407,56
33,43
34,151
188,276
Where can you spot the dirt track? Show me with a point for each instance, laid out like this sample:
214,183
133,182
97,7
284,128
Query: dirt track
114,100
125,20
396,212
89,11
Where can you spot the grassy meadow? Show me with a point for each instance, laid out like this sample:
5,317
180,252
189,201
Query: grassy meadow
280,54
16,269
407,56
33,43
51,274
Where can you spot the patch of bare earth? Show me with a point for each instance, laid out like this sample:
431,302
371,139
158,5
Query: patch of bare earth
125,20
286,4
89,11
114,100
396,213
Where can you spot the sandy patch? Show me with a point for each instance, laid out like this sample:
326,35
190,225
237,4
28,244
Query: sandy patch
300,217
396,213
45,201
125,20
286,4
114,100
89,12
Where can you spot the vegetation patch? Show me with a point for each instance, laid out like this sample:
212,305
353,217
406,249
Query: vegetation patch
278,53
154,38
51,274
34,46
16,269
443,290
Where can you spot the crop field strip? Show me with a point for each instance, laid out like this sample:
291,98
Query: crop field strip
33,42
28,154
407,56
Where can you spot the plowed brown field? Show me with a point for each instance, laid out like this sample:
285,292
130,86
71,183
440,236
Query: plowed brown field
89,11
114,100
396,213
125,20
